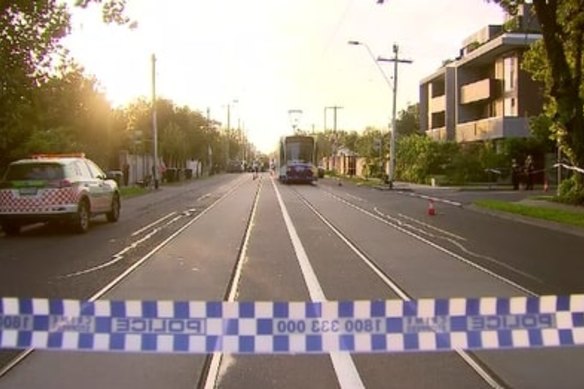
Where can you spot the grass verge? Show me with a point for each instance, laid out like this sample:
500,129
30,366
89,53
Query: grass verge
551,214
359,181
131,191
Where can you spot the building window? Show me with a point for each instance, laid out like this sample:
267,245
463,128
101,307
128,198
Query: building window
509,73
510,106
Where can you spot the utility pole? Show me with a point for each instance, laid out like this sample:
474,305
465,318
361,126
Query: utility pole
334,108
393,134
154,125
209,148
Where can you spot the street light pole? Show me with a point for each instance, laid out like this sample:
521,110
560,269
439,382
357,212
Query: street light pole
229,129
154,125
334,145
392,149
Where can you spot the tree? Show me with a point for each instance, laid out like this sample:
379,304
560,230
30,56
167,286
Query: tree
562,46
408,121
30,34
373,146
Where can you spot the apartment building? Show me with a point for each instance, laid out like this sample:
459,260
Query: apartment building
484,94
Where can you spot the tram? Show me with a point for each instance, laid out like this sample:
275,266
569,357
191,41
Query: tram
296,159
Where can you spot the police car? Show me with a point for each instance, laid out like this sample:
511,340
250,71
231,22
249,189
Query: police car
60,187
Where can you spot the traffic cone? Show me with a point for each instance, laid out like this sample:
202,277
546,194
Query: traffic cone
431,209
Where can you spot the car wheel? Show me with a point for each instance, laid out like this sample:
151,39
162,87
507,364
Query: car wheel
81,221
11,229
114,214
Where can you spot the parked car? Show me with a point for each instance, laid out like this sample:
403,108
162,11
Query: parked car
235,167
56,187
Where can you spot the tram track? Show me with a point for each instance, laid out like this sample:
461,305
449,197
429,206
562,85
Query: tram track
471,359
212,367
23,354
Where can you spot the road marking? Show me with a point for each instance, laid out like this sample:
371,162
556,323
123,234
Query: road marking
216,372
355,197
388,281
120,255
436,199
432,227
484,374
141,230
462,247
436,246
25,353
345,368
200,198
402,294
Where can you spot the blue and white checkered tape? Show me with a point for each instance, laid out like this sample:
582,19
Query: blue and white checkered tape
293,327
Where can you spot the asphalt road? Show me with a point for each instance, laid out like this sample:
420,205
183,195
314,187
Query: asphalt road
187,243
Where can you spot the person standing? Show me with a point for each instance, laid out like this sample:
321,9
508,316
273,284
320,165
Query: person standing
515,174
126,172
529,170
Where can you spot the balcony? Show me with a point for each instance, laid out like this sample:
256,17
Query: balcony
478,91
438,104
492,128
437,134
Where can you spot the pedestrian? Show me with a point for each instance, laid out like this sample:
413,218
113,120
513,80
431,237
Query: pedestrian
529,170
255,169
126,174
515,174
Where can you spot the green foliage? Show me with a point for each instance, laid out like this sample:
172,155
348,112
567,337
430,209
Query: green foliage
408,120
29,41
557,60
572,190
419,158
551,214
46,104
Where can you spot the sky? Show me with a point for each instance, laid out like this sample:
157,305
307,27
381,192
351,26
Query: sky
276,63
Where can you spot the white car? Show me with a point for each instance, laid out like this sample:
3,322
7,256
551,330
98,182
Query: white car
61,187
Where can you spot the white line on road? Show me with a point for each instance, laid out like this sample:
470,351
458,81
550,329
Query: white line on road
432,227
141,230
117,257
24,354
436,246
462,247
392,285
213,375
484,374
345,368
203,197
402,294
436,199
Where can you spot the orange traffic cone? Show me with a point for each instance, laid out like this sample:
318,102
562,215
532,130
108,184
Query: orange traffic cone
431,209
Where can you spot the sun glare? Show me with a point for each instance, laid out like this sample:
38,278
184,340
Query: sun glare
270,57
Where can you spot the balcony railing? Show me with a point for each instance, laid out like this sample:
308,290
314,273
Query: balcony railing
492,128
477,91
438,104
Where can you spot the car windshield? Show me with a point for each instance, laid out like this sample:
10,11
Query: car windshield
34,171
291,194
299,151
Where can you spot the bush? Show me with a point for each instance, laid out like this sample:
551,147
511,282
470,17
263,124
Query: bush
572,190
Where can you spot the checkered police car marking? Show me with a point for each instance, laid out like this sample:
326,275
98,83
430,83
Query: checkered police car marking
293,327
11,201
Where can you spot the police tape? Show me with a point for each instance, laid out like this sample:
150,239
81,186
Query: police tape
293,327
568,167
